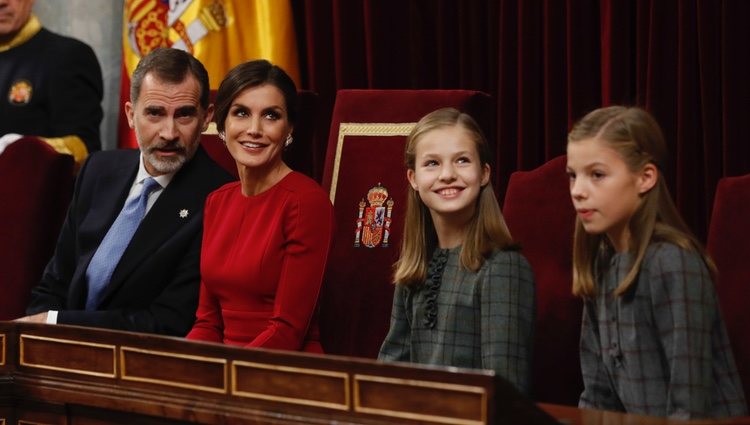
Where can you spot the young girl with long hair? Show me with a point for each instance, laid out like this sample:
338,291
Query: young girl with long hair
464,295
653,341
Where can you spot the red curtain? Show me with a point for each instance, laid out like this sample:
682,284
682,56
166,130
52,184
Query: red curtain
548,62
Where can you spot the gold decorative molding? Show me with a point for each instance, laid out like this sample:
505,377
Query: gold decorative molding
2,352
22,422
343,376
364,129
127,376
69,343
466,389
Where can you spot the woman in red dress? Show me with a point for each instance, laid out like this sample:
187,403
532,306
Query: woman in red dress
266,237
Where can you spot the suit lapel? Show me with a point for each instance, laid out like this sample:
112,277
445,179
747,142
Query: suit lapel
180,204
109,194
109,191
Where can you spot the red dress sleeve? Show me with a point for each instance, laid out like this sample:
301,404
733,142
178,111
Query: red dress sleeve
208,323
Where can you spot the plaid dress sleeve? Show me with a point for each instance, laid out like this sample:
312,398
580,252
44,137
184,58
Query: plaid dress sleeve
693,337
397,344
507,317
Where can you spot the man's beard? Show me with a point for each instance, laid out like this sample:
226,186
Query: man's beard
168,164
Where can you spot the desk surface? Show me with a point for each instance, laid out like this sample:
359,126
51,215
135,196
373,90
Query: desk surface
574,416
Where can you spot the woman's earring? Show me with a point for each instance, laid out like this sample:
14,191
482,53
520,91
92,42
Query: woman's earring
289,140
223,137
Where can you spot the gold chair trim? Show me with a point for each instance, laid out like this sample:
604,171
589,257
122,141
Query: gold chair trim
211,130
363,129
294,400
126,377
424,384
23,361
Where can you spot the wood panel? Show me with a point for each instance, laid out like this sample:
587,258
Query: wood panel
303,386
94,374
395,398
54,374
80,357
200,373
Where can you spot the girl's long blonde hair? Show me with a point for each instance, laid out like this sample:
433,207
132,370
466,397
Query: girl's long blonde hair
635,135
486,230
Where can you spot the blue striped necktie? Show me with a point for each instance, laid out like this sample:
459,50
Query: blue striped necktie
107,256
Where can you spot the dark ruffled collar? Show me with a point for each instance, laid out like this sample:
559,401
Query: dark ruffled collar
432,285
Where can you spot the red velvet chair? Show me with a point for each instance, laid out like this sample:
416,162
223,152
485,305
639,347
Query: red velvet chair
729,245
36,184
540,215
366,179
301,156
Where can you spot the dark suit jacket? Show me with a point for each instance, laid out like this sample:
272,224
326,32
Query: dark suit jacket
66,84
154,288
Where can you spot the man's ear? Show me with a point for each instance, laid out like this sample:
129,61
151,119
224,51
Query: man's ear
648,178
209,117
129,112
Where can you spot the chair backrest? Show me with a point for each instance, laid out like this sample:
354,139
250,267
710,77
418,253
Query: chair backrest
366,179
729,245
541,218
216,150
302,155
36,184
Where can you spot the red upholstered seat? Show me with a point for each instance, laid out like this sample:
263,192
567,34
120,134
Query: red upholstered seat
366,151
303,155
36,184
729,246
540,215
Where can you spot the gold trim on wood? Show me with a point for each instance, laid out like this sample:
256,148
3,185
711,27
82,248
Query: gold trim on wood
364,129
23,361
2,355
219,361
424,384
294,400
22,422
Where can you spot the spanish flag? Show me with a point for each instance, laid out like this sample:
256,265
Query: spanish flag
220,33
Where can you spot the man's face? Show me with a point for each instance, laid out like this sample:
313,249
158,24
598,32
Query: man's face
168,120
13,15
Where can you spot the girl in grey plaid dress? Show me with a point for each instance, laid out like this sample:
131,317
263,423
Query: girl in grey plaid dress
653,340
464,296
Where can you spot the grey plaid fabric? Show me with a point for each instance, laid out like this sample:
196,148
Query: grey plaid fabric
662,348
483,320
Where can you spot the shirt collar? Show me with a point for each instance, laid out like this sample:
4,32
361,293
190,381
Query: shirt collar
28,30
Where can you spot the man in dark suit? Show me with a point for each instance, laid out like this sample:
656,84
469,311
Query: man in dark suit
154,285
51,85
